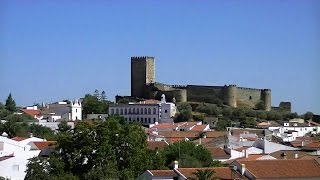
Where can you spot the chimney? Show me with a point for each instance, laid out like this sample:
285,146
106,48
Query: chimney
296,156
200,141
243,169
246,153
176,164
302,143
31,135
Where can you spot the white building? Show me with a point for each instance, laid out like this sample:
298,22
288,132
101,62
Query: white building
145,112
62,111
14,156
291,130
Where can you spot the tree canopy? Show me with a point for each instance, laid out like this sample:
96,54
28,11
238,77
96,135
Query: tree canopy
10,104
98,150
185,112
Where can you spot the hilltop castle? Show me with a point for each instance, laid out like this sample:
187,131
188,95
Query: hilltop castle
144,86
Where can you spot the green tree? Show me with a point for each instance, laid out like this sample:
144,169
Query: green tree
261,115
222,124
185,112
239,112
187,154
2,107
248,122
260,106
227,111
96,94
308,115
42,132
103,96
100,150
92,104
206,174
10,104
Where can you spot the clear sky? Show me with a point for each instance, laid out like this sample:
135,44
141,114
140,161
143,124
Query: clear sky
54,50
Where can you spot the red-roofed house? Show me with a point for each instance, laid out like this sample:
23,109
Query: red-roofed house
18,139
156,145
40,145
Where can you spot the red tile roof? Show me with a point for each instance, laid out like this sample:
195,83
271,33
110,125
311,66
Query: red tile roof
219,153
199,127
153,145
31,112
296,168
313,145
241,149
6,157
19,138
222,173
163,173
43,144
149,101
214,134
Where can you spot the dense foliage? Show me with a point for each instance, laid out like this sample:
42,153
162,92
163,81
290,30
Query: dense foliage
96,103
98,150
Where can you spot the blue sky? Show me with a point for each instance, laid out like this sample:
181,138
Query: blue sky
64,49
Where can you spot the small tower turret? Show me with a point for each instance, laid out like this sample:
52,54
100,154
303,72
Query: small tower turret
266,98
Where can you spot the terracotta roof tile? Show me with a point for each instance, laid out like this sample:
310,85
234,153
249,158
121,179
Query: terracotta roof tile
163,173
282,168
219,153
213,134
199,127
19,138
3,158
31,112
222,173
43,144
313,145
288,154
153,145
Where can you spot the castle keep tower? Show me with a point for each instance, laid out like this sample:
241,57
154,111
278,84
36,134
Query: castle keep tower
142,73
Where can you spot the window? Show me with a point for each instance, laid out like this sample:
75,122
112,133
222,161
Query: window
121,111
165,111
125,111
134,110
145,111
250,97
149,120
137,110
112,111
129,119
145,120
76,110
149,111
141,110
138,119
130,110
154,120
154,111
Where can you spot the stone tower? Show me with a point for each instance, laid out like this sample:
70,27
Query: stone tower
230,97
266,98
142,73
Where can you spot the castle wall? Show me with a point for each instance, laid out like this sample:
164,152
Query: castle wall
248,97
205,93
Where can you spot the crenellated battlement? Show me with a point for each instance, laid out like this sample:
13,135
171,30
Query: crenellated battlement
250,89
141,57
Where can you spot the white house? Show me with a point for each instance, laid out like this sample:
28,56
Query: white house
14,156
145,112
291,130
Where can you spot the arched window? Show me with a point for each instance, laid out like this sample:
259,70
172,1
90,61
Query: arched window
145,111
134,110
154,110
121,111
112,111
130,110
149,111
125,111
117,111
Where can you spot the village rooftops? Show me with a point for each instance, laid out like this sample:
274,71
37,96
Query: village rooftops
277,169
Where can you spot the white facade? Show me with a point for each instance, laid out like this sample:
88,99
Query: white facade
145,114
291,130
18,154
76,110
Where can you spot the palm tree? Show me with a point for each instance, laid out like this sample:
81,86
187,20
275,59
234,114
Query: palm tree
206,174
